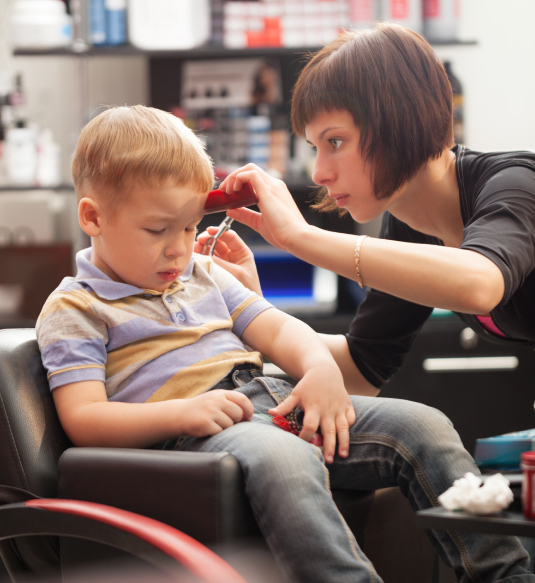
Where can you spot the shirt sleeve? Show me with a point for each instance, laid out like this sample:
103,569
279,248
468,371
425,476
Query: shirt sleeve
243,304
385,327
71,339
502,226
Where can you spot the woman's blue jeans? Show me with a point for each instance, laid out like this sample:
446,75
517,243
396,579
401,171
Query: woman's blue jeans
393,443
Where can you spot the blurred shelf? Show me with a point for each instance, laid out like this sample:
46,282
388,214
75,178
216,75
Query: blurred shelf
207,51
7,321
293,184
32,188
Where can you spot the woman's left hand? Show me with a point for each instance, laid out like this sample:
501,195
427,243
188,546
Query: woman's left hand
232,254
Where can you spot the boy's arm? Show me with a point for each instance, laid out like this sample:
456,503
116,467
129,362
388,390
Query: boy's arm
320,392
89,419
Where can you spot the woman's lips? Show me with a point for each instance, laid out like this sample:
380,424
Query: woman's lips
341,200
168,275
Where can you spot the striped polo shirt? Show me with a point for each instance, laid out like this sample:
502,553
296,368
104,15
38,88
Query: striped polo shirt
143,344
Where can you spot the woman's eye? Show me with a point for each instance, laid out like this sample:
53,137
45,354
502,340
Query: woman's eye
191,230
336,143
153,232
313,148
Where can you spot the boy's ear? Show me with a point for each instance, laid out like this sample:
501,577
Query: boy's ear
89,216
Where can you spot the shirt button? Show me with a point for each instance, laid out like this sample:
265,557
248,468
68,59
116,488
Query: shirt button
181,317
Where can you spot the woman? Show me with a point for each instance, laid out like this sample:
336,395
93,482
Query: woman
458,233
459,228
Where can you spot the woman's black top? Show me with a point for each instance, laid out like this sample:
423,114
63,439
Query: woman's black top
497,195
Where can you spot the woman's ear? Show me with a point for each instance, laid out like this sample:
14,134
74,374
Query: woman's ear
89,216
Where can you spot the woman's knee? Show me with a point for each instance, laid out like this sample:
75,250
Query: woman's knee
403,419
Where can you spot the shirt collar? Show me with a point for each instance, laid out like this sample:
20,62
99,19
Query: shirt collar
107,289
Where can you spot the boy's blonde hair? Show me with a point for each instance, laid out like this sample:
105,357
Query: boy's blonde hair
138,146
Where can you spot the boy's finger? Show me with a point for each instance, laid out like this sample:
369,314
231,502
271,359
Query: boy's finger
328,431
244,402
342,427
311,423
285,407
234,411
351,416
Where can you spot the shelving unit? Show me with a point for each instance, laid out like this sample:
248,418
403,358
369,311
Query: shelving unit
203,52
165,69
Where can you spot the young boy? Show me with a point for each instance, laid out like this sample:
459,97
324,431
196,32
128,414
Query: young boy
143,345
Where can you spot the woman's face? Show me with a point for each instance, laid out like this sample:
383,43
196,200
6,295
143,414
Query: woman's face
340,166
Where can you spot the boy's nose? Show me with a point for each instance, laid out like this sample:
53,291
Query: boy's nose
176,248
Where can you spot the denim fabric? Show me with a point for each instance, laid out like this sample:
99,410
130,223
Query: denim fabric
393,443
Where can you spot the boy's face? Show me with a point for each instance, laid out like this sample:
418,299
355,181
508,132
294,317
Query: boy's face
148,240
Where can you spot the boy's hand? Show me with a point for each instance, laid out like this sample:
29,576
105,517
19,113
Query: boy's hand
232,254
322,396
211,412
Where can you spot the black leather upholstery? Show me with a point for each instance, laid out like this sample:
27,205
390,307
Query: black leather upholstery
208,488
201,494
31,439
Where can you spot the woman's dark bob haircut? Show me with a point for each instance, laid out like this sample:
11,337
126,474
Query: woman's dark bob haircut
395,87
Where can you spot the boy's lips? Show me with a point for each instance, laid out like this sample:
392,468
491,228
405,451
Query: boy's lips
170,275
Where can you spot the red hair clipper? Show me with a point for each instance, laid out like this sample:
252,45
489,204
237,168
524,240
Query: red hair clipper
218,200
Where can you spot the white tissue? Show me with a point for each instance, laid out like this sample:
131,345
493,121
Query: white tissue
468,494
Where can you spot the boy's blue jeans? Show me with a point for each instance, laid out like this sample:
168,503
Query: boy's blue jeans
393,443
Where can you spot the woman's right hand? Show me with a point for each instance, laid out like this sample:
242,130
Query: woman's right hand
279,221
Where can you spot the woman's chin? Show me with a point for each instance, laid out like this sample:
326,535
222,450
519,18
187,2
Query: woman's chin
361,217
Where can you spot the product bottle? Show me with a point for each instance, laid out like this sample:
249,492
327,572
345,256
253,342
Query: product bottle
42,24
115,13
48,172
362,13
441,19
458,113
97,22
20,155
3,177
405,12
259,127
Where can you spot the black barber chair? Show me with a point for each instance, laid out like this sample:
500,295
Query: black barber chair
200,494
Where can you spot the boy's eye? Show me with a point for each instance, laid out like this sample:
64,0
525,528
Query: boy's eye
191,230
153,232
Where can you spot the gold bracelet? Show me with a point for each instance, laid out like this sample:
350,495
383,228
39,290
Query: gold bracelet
358,278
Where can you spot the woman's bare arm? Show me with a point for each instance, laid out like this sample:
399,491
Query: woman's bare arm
354,382
430,275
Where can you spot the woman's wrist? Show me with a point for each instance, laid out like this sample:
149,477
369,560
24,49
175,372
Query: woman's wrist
301,234
356,254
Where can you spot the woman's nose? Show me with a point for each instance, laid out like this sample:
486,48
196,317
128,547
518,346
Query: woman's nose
323,173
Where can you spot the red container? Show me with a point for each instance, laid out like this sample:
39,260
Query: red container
218,200
528,495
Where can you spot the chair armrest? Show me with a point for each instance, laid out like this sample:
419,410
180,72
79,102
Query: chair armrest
201,494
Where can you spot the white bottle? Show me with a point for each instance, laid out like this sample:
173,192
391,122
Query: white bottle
48,171
40,24
20,155
441,19
405,12
168,24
